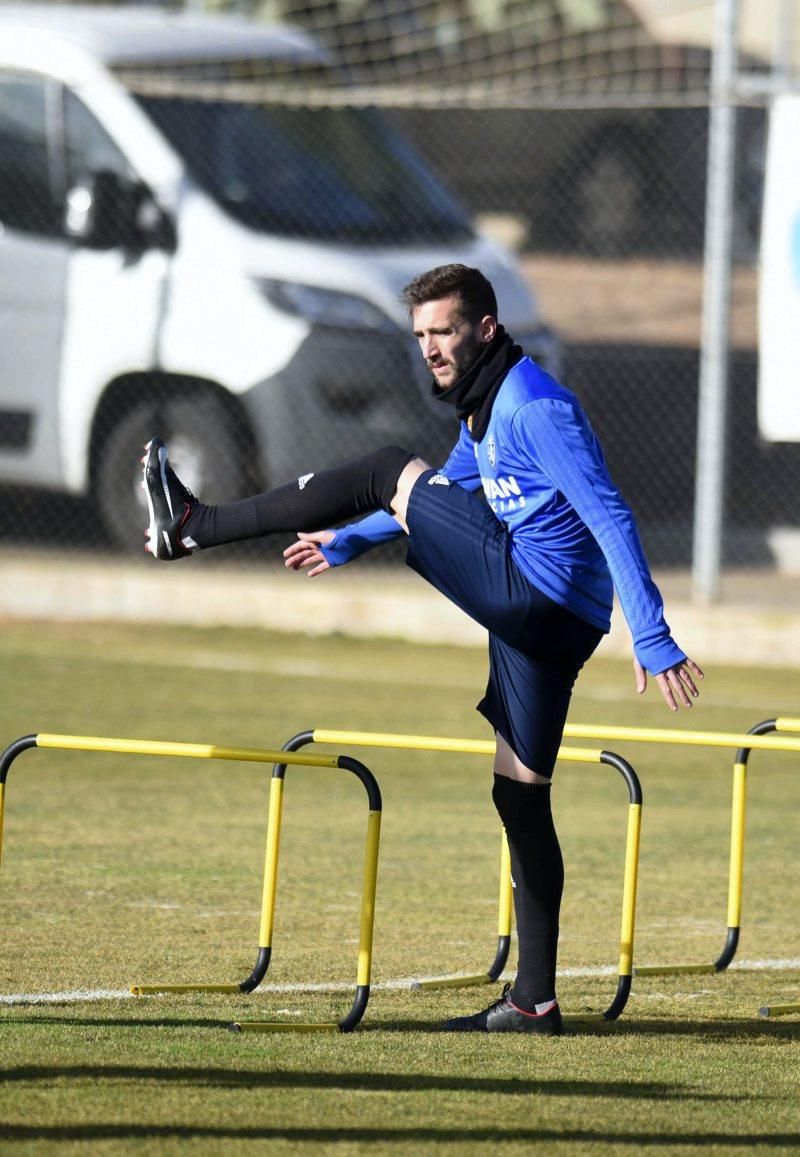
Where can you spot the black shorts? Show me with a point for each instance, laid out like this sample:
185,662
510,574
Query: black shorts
536,647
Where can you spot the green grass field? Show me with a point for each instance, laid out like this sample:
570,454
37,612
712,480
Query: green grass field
128,869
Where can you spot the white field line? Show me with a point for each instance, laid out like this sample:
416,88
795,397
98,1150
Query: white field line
82,995
78,995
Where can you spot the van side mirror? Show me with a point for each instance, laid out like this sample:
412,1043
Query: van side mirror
104,211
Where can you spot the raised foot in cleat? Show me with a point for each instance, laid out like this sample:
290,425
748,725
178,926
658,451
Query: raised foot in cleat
169,502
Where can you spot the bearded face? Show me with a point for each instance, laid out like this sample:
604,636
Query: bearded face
449,343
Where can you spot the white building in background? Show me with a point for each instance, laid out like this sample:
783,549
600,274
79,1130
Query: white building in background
779,297
769,29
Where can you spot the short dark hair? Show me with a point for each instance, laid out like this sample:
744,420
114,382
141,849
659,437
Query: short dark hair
476,298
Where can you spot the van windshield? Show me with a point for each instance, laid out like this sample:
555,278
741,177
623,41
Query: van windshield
324,173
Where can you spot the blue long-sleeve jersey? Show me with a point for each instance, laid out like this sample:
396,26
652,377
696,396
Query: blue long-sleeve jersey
572,534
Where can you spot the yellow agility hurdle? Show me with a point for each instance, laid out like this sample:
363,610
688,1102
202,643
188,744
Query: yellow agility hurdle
764,728
484,747
756,739
280,759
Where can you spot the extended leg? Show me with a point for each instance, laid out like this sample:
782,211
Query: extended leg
179,523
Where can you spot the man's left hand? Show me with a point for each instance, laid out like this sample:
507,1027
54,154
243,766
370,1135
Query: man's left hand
676,683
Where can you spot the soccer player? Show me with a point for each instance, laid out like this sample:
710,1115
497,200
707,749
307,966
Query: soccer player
535,564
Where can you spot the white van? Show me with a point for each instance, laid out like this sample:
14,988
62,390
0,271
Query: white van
177,256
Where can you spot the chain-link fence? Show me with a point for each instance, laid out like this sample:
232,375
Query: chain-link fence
206,223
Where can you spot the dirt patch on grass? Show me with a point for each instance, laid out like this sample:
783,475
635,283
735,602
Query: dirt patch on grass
646,302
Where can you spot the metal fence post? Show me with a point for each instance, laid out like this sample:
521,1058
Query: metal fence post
713,389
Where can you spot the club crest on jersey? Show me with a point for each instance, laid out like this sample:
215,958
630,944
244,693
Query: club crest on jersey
491,451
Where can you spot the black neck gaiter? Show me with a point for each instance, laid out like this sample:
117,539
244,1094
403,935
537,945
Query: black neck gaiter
474,393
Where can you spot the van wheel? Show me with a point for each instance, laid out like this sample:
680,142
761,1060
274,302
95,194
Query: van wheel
204,448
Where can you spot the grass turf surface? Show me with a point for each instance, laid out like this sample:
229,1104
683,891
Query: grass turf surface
129,869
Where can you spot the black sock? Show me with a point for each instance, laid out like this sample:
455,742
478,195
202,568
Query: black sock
537,870
311,502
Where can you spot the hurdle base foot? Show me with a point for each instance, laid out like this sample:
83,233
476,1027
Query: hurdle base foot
673,969
576,1019
779,1009
257,1026
452,982
156,989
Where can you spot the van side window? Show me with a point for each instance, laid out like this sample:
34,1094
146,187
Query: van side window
89,148
27,199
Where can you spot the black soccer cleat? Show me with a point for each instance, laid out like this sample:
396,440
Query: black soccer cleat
503,1016
170,503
